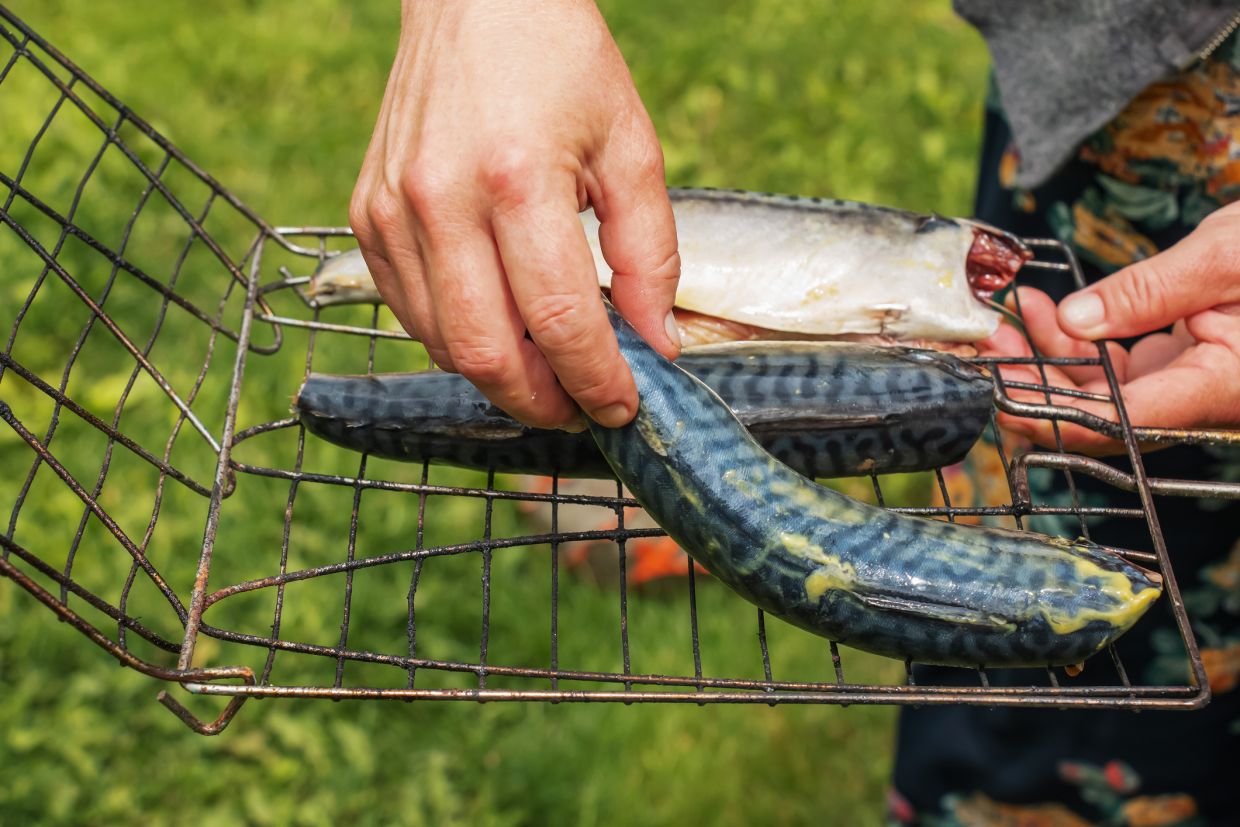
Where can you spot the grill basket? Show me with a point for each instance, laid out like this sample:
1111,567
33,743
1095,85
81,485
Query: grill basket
155,494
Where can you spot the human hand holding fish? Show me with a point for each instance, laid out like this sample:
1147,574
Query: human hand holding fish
499,124
1186,378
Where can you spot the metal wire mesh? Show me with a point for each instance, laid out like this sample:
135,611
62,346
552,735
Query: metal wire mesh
161,500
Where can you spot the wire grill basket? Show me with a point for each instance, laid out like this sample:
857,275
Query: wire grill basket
155,494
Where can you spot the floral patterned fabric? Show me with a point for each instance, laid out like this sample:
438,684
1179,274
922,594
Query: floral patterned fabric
1136,186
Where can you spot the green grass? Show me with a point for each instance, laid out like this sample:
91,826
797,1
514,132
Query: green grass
879,102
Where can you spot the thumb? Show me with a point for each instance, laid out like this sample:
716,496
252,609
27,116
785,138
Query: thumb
637,234
1200,272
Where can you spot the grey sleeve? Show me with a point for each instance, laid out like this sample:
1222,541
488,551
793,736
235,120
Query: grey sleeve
1067,67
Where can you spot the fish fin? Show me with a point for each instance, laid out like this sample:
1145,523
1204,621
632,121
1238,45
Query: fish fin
946,612
773,420
934,221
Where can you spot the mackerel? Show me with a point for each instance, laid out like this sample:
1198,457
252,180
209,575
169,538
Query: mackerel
893,584
828,409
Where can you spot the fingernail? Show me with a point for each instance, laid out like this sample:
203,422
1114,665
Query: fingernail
575,427
1084,311
673,332
612,416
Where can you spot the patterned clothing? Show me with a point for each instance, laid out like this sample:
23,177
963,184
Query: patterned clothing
1136,186
1066,67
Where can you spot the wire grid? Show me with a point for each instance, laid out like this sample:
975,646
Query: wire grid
166,505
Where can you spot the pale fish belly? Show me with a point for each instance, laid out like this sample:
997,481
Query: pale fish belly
774,266
823,267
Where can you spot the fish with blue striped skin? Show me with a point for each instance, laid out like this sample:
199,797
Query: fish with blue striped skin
827,408
893,584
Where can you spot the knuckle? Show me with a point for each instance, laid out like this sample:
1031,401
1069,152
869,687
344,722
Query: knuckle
638,144
481,363
359,218
383,216
649,162
1143,292
1221,252
560,327
425,188
666,270
508,173
1227,215
656,268
558,322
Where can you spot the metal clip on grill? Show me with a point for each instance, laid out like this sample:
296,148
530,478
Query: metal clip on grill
154,493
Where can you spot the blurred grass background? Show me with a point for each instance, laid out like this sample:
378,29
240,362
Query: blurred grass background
878,102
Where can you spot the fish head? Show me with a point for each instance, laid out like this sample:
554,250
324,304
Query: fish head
994,259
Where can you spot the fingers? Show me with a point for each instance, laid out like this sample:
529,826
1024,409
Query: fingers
466,207
385,232
483,332
1157,350
1041,319
396,265
1190,392
1201,271
1193,390
637,234
1008,342
438,270
551,275
1043,432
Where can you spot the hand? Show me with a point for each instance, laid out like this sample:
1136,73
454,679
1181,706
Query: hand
501,121
1188,378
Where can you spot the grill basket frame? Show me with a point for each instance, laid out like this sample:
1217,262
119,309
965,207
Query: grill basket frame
259,310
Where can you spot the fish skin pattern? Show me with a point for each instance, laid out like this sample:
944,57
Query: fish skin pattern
826,409
893,584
